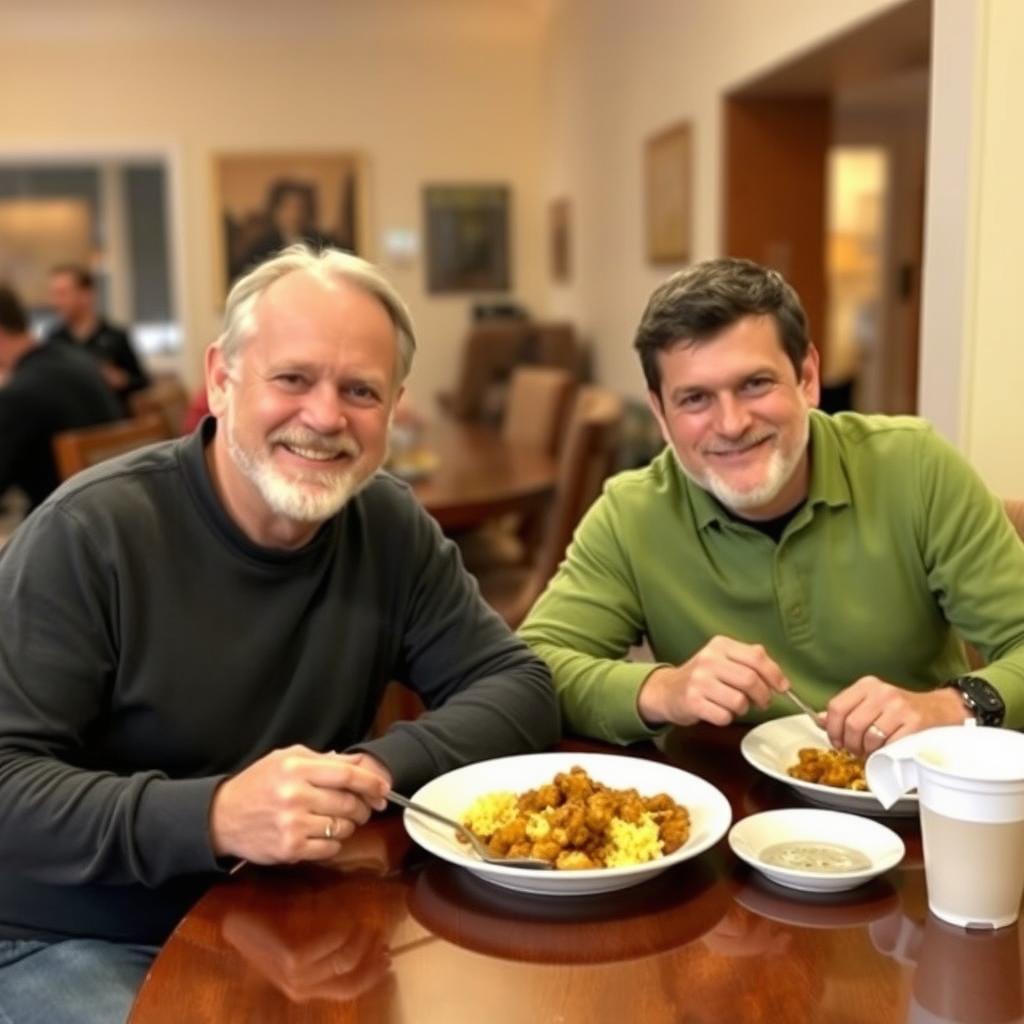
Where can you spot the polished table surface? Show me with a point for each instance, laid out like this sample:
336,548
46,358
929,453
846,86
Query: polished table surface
397,936
481,475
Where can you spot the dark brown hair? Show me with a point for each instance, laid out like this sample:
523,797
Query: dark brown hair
696,304
12,313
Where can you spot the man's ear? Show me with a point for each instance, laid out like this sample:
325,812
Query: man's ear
658,408
218,379
810,377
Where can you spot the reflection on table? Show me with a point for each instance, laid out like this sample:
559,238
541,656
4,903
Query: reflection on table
397,936
476,474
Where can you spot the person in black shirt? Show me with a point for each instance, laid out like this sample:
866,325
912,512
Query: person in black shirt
73,298
48,389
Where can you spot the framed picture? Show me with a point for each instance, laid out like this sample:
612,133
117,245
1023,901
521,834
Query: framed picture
467,237
560,240
668,163
266,201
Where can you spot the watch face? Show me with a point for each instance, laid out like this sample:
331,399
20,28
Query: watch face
985,699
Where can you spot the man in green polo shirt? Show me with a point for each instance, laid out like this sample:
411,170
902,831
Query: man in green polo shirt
770,545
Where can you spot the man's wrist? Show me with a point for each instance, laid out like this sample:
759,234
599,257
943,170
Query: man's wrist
980,699
649,700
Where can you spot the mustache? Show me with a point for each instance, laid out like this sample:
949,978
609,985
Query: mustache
729,447
329,444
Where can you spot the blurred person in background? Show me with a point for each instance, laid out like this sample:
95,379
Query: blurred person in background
190,633
46,389
72,296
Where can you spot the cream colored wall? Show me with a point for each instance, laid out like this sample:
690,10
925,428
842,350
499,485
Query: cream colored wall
993,413
440,92
617,72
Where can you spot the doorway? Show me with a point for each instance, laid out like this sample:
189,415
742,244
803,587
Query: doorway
824,181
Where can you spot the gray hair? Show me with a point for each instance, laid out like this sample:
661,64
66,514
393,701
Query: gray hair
327,265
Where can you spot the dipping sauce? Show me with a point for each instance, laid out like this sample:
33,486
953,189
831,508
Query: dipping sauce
812,855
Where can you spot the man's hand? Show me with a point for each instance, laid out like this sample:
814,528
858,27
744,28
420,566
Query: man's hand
115,377
296,804
716,685
871,712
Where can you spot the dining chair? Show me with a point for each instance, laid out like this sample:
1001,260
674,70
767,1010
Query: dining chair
167,397
75,450
493,348
538,402
554,343
587,459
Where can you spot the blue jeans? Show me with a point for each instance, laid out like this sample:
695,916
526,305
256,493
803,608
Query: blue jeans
77,981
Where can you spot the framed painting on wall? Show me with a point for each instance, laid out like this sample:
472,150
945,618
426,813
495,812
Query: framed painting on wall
560,240
266,201
467,237
669,185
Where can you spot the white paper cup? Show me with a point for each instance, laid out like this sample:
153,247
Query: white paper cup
970,782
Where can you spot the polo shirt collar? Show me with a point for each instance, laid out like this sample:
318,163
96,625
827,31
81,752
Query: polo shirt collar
828,485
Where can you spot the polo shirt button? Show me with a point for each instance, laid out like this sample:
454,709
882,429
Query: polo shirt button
797,612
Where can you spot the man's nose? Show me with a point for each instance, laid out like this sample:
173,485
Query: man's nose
733,417
324,409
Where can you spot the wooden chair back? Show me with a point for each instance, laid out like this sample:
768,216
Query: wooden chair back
75,450
492,350
538,402
588,458
166,396
554,344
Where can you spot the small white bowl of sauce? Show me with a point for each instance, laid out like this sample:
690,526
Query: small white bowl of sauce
816,850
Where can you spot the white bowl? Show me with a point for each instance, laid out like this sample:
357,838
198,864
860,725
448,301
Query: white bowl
452,794
772,747
751,836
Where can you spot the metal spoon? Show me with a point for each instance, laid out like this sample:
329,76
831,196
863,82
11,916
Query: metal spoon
479,848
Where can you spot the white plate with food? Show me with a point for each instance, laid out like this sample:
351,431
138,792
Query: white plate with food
481,792
773,747
816,850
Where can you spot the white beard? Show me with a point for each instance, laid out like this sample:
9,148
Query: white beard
311,497
780,469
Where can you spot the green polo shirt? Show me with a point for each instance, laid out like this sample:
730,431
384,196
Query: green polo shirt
899,551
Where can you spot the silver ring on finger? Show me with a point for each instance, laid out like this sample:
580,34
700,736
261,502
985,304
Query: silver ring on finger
329,829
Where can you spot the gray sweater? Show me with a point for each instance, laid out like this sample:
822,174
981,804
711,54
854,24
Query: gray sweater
148,650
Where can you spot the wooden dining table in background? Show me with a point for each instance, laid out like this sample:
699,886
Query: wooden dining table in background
479,475
397,936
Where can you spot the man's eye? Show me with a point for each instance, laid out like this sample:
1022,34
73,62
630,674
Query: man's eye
693,401
362,393
757,385
290,381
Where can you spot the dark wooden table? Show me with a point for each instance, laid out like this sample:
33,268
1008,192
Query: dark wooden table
400,937
480,475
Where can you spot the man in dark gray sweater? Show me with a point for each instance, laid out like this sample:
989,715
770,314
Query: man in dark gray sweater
190,633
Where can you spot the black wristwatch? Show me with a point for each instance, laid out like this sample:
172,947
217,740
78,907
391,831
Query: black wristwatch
981,699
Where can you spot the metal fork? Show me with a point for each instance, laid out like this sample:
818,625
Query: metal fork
804,707
479,848
813,715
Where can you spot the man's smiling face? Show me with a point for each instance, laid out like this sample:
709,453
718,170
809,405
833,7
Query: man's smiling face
305,404
737,416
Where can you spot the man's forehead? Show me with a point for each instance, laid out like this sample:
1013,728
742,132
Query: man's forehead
305,295
301,312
